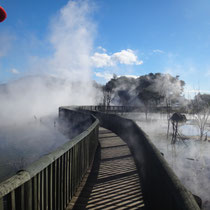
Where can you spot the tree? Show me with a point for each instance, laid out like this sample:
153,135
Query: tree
146,91
108,91
170,88
201,111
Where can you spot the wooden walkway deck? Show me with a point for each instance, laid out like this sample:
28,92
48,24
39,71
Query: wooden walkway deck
113,182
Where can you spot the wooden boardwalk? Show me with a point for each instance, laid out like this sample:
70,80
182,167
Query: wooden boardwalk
113,182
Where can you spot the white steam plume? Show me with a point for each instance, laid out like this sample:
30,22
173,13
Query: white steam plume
66,81
71,36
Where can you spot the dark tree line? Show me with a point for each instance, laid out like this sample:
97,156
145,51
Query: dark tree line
147,90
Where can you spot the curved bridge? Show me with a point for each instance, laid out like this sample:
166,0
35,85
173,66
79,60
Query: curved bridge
120,178
113,182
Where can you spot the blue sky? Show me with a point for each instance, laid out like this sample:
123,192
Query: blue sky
130,37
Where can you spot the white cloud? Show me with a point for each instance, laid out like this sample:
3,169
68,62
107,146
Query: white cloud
105,75
158,51
102,49
127,57
101,60
15,71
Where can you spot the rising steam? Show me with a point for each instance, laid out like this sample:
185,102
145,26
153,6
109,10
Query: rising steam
67,71
62,78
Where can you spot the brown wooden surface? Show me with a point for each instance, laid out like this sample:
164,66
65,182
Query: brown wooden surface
113,182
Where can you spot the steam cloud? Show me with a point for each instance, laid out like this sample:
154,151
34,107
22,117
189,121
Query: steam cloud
63,78
189,160
67,72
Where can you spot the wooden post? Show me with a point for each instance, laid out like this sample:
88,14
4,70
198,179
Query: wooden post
28,195
34,202
70,174
46,188
42,189
55,189
50,173
1,204
59,184
62,180
67,178
13,200
39,190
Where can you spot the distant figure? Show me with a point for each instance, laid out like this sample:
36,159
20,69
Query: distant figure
175,119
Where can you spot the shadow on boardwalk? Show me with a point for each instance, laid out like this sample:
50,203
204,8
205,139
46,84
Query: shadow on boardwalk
113,182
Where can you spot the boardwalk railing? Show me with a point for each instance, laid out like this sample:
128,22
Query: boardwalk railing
50,182
161,187
113,109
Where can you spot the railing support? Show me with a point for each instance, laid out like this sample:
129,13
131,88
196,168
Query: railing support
51,182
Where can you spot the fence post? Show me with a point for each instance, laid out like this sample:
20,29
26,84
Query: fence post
28,195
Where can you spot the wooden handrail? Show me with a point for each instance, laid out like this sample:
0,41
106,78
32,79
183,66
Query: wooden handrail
51,181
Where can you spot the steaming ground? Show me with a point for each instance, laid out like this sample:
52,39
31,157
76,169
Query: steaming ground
190,160
21,144
28,118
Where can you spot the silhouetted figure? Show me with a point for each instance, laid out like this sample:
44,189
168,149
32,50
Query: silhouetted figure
175,119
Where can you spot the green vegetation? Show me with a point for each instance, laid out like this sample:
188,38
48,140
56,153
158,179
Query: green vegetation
147,90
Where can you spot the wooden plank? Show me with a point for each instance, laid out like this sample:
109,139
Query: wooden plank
28,195
70,173
59,184
73,171
77,164
22,200
46,188
80,162
13,182
42,189
1,204
62,181
125,190
83,157
13,206
88,150
39,191
55,185
50,187
67,178
34,201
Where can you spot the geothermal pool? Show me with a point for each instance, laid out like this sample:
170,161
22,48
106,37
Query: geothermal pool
189,159
23,143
